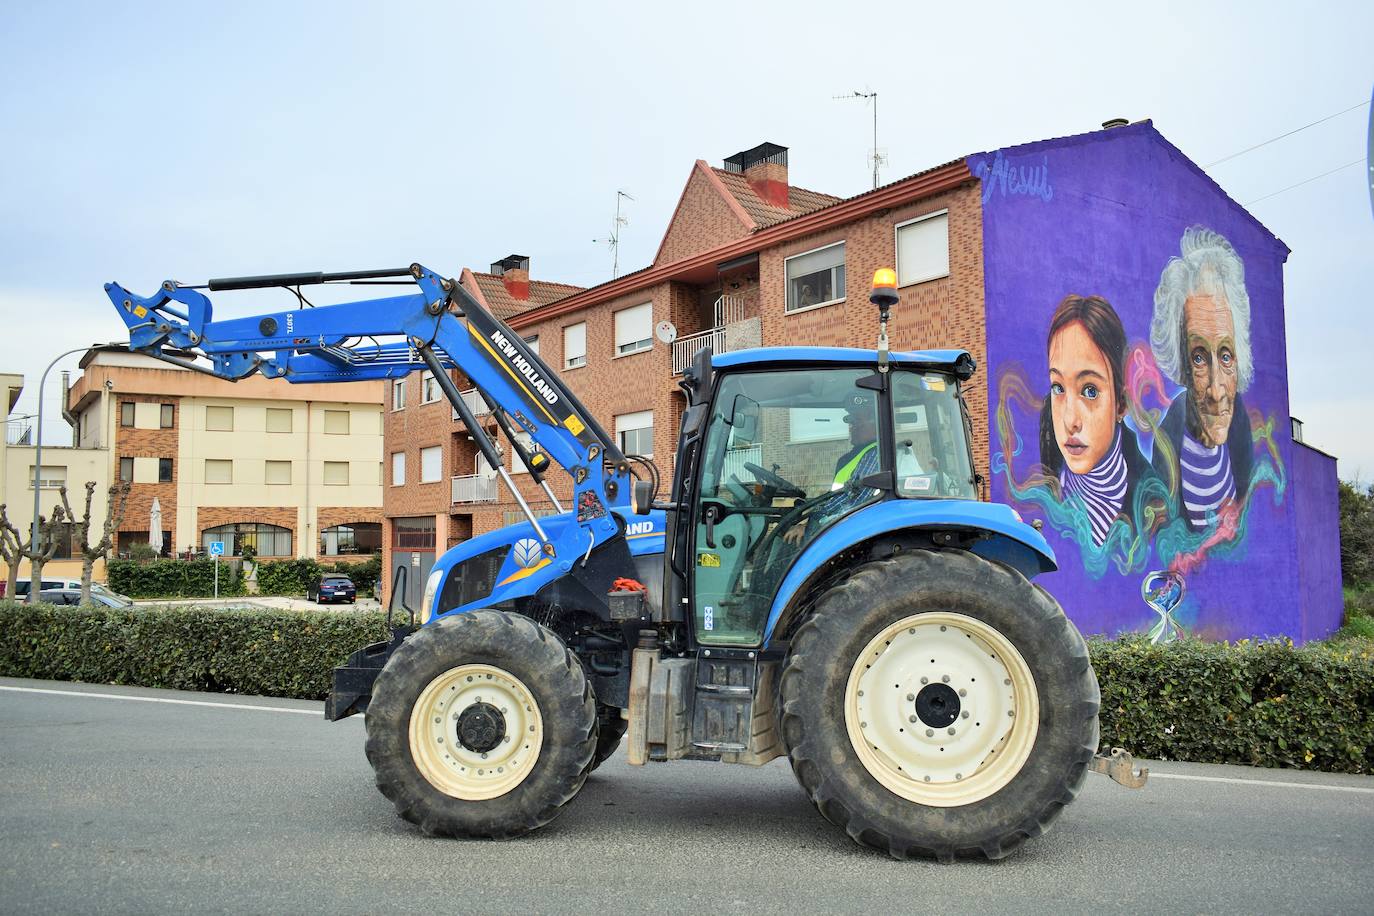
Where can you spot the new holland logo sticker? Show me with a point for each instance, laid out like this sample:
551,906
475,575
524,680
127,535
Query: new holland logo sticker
526,553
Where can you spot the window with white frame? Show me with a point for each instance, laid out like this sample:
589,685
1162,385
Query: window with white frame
431,463
533,344
429,388
279,419
336,473
219,419
398,394
575,345
398,469
49,477
336,422
634,329
635,432
815,277
923,248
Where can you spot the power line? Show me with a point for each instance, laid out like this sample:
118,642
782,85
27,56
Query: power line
1281,136
1338,168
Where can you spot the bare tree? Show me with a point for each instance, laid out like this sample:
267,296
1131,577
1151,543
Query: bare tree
10,553
116,502
49,537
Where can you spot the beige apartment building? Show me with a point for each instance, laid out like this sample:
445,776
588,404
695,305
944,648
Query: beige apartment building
292,470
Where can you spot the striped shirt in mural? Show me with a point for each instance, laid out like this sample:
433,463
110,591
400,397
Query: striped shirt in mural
1207,480
1102,490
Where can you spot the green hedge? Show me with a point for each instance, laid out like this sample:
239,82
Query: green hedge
172,578
263,653
290,577
1260,704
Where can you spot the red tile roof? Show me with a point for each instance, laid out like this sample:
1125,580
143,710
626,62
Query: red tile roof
799,200
504,305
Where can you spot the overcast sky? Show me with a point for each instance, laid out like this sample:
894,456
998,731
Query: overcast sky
145,141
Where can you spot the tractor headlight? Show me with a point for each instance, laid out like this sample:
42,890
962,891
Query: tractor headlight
431,592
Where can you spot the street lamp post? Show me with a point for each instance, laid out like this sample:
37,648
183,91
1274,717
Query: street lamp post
35,577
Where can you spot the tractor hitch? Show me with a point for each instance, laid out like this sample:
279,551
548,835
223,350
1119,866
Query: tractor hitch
1120,767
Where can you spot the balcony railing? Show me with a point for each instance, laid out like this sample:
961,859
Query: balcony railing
474,488
476,403
19,432
684,348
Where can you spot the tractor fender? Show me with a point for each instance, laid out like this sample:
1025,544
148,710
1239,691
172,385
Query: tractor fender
1011,541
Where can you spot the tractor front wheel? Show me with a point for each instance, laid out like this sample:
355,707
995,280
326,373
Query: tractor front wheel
939,704
481,725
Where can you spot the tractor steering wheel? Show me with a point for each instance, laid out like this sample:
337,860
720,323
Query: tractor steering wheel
786,489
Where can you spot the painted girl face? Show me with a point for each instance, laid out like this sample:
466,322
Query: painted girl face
1082,400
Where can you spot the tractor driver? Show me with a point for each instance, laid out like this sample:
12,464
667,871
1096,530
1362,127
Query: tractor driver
861,460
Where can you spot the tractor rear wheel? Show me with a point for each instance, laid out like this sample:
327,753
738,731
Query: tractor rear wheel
939,704
482,725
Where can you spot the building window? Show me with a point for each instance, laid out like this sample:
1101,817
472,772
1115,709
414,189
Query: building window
355,538
126,413
164,470
431,463
815,278
398,394
126,470
398,469
413,533
266,540
50,477
429,388
168,416
533,344
219,419
527,443
336,422
635,431
219,470
575,345
279,419
923,248
336,473
634,329
277,472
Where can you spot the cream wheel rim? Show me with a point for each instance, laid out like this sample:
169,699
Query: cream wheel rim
941,709
444,714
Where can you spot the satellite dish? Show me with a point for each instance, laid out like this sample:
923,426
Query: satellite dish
665,331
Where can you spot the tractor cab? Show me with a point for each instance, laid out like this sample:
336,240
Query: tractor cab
791,442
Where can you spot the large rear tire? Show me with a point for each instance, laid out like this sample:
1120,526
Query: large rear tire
482,725
939,704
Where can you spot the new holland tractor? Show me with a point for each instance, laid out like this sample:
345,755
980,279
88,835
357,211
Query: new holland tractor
820,580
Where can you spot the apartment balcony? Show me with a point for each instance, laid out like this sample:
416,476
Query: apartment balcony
729,332
476,403
474,488
19,432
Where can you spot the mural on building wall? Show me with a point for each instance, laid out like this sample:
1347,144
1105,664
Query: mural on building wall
1130,417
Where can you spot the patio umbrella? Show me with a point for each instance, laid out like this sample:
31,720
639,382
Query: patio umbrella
155,527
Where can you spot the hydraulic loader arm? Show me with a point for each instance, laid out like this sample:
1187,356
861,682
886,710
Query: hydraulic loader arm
440,327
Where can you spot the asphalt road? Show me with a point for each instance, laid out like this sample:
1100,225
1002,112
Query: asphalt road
120,805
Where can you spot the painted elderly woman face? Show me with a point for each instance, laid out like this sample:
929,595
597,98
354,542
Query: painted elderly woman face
1211,351
1082,399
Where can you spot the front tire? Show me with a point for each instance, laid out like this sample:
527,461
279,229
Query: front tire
938,704
481,725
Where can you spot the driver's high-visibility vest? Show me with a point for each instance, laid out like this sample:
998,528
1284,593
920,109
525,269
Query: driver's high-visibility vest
843,474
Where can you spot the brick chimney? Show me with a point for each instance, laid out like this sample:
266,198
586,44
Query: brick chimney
765,168
514,271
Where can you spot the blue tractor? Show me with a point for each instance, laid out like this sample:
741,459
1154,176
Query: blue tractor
820,580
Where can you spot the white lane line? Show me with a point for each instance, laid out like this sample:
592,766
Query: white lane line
1261,782
120,696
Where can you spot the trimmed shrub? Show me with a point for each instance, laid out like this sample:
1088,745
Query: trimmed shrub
173,578
1258,704
263,653
1267,704
287,577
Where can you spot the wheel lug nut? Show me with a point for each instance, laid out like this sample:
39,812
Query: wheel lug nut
925,680
1011,712
945,679
1006,681
910,697
958,775
962,692
951,731
930,733
964,714
911,719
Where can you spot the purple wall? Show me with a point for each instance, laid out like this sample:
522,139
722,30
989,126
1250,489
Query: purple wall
1163,471
1316,510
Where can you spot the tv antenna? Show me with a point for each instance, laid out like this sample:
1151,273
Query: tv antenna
613,241
878,156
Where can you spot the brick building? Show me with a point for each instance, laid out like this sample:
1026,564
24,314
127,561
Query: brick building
292,470
984,247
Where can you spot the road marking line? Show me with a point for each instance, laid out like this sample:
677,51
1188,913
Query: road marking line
1260,782
120,696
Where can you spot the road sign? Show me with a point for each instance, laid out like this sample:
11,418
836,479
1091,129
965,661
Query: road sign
216,548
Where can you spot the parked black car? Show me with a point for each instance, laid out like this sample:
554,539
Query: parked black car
73,596
332,587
